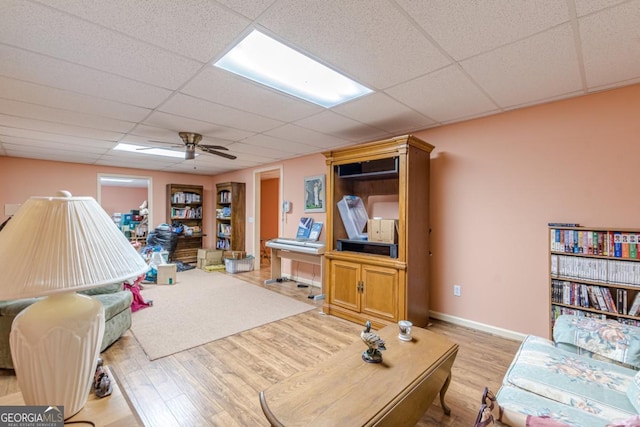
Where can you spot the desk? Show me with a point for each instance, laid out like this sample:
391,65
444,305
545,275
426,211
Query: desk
346,391
113,410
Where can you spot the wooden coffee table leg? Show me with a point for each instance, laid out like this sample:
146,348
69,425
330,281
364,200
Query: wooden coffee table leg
443,391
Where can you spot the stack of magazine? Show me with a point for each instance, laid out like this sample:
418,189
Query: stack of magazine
308,229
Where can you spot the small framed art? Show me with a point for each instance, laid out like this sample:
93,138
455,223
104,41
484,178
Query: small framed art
314,194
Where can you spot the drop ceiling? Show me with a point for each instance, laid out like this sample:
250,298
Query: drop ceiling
79,76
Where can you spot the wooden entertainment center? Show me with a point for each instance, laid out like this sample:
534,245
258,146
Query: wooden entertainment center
380,282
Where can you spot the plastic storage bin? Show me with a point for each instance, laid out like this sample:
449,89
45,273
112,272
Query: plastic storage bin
238,265
354,217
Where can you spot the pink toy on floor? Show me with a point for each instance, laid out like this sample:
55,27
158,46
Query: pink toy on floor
138,302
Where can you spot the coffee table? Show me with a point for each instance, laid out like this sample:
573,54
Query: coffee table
344,390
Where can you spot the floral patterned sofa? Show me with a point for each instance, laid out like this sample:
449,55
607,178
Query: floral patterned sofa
588,376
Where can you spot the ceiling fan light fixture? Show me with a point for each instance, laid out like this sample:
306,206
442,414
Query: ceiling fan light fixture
190,152
190,138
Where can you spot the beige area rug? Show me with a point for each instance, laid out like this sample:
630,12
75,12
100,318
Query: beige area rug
203,307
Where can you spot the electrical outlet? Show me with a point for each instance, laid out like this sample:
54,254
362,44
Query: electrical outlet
456,290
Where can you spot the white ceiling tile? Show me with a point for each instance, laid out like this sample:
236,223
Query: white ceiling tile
54,33
183,27
339,126
290,147
38,112
31,67
359,38
185,124
249,8
444,95
307,136
383,112
66,100
466,28
611,44
225,88
533,69
74,74
87,146
257,150
59,128
7,131
48,154
210,112
585,7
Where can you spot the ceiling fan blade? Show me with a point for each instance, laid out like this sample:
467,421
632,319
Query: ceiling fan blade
162,148
215,147
217,153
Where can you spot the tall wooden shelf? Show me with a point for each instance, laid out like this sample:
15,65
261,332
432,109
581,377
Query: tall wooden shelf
590,266
185,206
370,281
230,216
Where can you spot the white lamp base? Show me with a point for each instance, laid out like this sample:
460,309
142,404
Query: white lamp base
55,345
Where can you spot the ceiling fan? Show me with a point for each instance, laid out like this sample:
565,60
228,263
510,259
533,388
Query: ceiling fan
192,141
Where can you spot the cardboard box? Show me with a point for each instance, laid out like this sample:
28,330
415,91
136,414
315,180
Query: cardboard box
382,230
234,254
166,274
208,257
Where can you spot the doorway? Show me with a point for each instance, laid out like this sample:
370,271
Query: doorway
121,194
268,198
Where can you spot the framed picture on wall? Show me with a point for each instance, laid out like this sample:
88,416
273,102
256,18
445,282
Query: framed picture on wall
314,194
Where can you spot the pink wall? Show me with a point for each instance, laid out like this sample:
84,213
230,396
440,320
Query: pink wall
121,199
294,171
498,181
23,178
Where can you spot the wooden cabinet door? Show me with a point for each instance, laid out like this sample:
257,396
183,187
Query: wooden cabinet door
343,284
380,294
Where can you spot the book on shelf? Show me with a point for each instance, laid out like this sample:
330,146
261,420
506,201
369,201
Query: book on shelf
592,298
633,249
225,197
634,310
602,304
617,244
621,301
183,197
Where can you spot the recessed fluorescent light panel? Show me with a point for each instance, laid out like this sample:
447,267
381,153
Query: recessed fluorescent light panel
139,149
271,63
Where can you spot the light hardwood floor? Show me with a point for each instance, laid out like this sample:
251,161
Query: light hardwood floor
217,384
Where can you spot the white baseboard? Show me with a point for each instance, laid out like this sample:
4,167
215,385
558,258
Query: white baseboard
505,333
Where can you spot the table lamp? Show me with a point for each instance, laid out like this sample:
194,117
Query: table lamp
53,247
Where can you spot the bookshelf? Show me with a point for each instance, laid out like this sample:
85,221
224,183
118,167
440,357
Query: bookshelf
184,206
365,280
595,272
230,216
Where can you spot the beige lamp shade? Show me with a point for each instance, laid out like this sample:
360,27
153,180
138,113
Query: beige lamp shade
63,243
55,246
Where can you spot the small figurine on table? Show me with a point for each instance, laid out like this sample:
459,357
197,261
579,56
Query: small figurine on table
374,342
101,382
